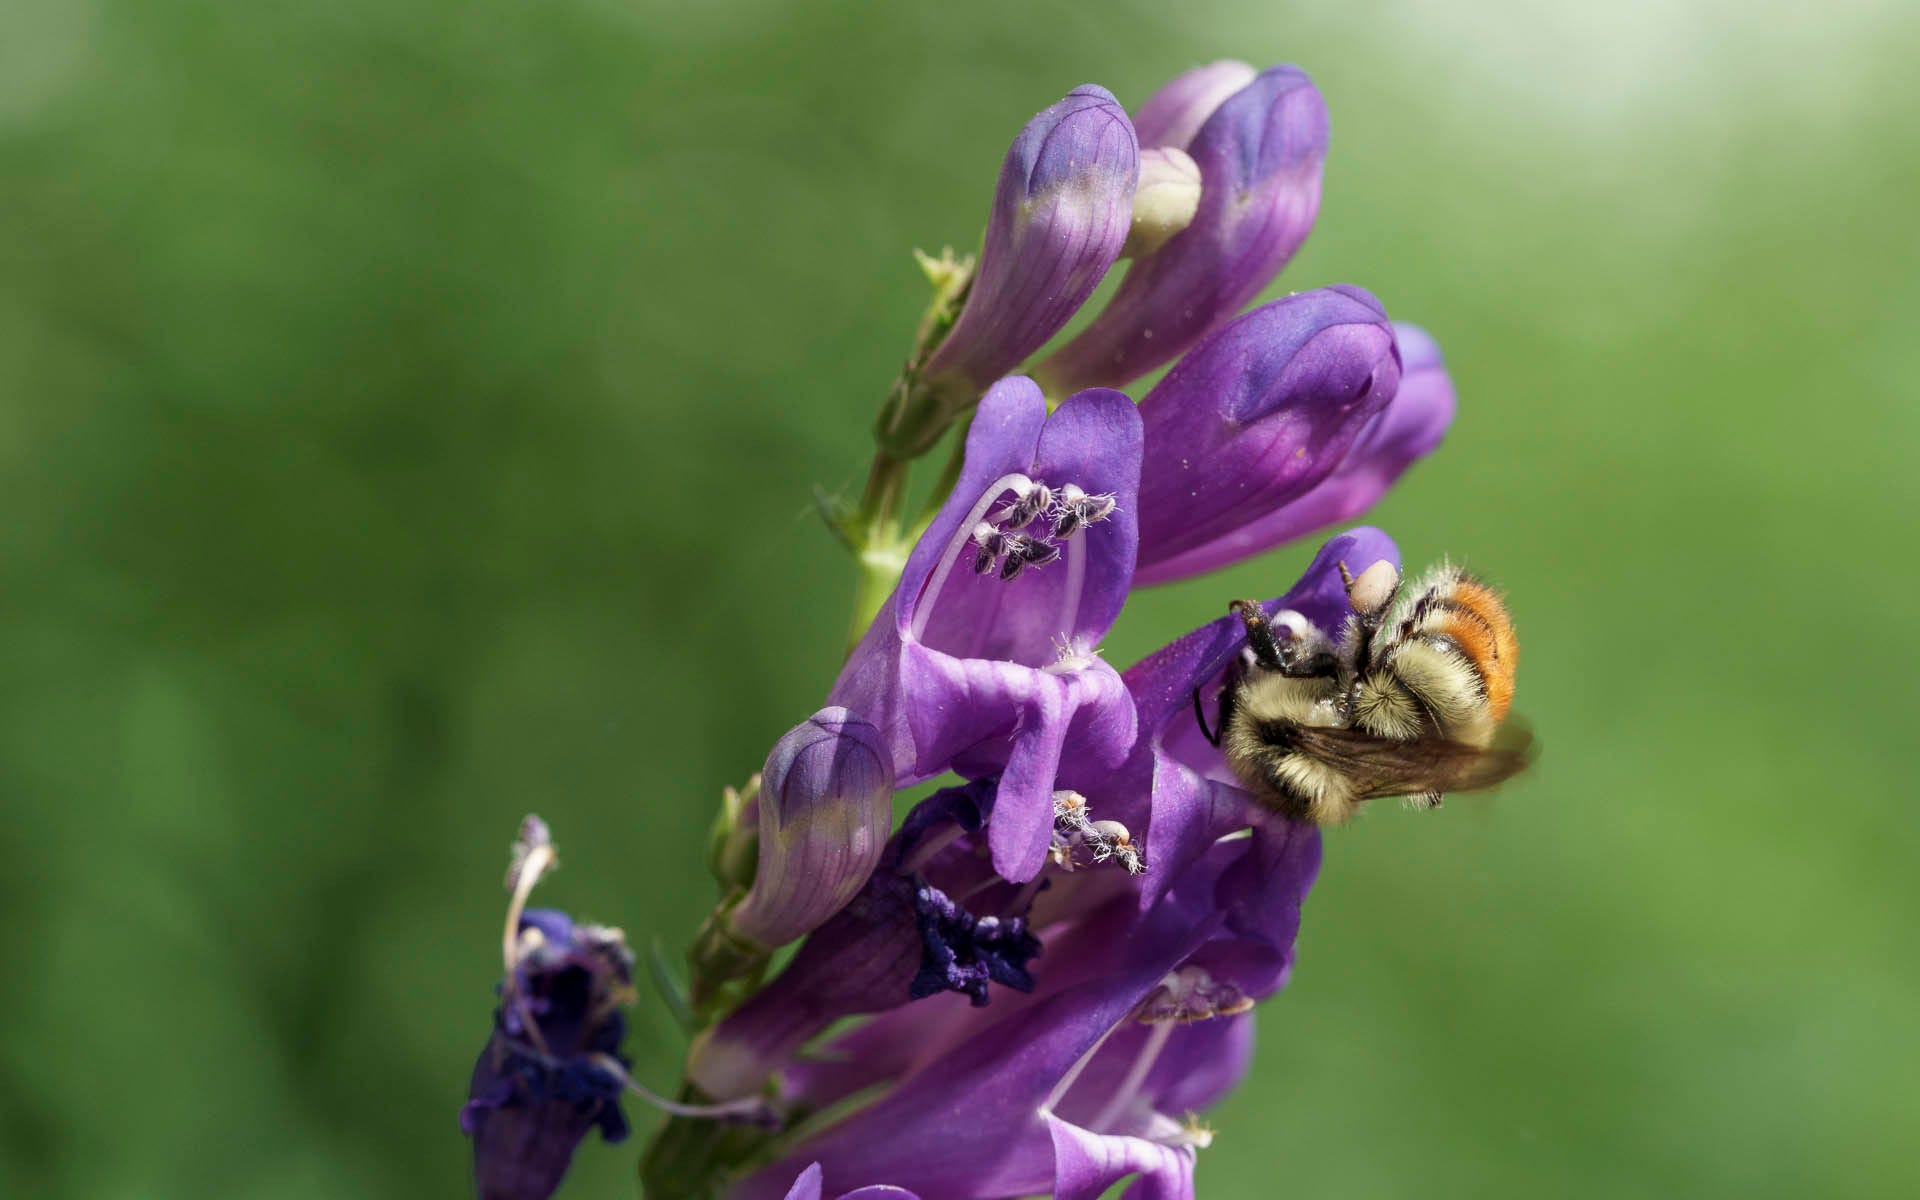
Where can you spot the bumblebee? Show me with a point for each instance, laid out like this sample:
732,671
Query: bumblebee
1408,700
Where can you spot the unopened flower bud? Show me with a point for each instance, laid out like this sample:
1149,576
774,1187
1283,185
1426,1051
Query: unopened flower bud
1254,418
1260,155
825,807
1172,115
1060,215
1165,201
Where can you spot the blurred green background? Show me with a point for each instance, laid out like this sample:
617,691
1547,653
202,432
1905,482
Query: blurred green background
408,412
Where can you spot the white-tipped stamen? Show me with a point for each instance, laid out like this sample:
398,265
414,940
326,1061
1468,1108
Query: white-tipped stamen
533,856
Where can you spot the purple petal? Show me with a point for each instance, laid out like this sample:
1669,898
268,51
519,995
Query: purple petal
826,802
1087,1164
1060,215
1172,115
1409,429
1255,417
1260,155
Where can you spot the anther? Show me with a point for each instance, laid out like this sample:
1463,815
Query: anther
1077,510
992,545
1111,840
1024,552
1030,501
1070,811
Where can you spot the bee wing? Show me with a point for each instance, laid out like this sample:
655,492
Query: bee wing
1385,767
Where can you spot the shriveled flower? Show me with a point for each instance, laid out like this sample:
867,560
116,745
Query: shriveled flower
552,1069
1061,212
1254,418
825,804
983,661
1260,154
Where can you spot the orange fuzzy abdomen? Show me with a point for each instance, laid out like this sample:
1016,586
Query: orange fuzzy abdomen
1477,621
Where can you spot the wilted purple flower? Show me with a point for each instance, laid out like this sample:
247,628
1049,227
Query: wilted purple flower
1060,215
1257,415
552,1069
983,661
825,804
1405,432
1260,155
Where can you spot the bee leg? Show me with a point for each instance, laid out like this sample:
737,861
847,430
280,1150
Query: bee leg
1200,716
1260,639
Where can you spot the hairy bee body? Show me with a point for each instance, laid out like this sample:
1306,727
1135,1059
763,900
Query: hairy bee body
1408,701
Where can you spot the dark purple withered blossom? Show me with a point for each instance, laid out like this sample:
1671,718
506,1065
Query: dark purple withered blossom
983,660
552,1070
1260,154
1061,212
825,805
1257,416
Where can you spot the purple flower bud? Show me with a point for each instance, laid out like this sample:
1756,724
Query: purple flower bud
552,1069
1251,420
1060,215
1172,115
825,807
807,1187
1260,156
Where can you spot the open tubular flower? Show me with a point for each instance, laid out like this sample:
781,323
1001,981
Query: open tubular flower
1061,213
1260,154
1254,418
983,661
825,803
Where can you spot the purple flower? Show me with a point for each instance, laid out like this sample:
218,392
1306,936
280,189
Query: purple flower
1060,215
1141,1020
983,661
1260,155
1253,419
552,1069
825,804
1165,201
